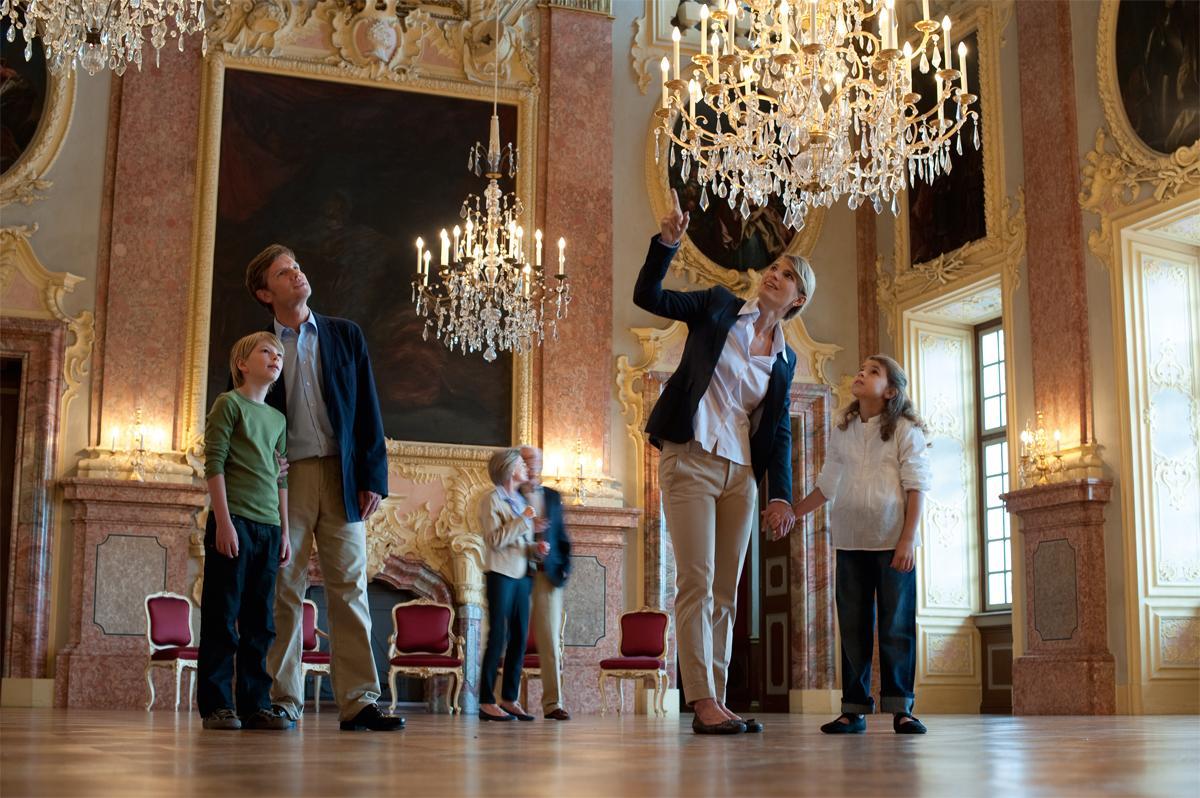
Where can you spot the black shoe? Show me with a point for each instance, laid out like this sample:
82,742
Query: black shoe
913,726
489,716
724,727
753,726
558,714
371,719
273,719
223,720
518,715
857,724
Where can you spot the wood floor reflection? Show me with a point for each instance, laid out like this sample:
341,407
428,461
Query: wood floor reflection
132,754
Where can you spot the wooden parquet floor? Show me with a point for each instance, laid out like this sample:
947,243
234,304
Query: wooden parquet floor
132,754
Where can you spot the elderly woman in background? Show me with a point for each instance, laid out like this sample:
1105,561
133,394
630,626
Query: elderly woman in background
508,523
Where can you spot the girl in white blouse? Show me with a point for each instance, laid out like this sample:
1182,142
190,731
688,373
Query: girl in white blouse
875,474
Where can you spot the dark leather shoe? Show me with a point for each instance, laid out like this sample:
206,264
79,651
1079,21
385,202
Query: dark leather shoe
724,727
857,724
489,716
558,714
518,715
271,718
753,726
913,726
372,719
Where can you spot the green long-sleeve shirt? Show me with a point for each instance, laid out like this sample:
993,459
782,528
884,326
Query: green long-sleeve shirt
241,437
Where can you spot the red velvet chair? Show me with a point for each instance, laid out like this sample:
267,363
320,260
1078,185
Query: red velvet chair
533,663
312,659
169,635
423,645
643,657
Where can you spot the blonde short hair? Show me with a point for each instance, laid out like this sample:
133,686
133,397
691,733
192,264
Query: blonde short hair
502,464
806,283
244,347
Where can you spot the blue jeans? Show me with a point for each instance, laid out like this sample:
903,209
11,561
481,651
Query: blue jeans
866,579
237,618
508,629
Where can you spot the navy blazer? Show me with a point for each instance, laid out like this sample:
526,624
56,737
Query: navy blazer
709,315
557,564
348,387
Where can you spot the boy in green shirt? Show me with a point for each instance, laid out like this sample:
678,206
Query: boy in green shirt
245,542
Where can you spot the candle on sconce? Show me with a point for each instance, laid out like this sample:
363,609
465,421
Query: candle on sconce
812,22
115,434
693,90
457,233
675,37
925,10
946,42
420,247
598,467
937,79
784,12
428,257
883,28
537,248
962,65
666,67
562,259
704,29
525,281
445,248
1057,441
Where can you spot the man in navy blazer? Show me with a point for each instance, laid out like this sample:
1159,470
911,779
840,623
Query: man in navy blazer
550,575
337,477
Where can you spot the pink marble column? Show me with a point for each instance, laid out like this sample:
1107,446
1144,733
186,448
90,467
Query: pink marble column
41,345
575,199
1066,668
1062,373
149,261
867,250
131,539
594,601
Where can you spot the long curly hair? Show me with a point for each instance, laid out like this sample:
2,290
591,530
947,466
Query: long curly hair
899,406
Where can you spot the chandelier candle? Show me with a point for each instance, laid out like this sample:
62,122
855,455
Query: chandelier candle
810,101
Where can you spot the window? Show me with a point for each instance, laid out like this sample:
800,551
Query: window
995,537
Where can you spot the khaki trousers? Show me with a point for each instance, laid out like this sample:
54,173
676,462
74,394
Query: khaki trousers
709,504
547,630
316,513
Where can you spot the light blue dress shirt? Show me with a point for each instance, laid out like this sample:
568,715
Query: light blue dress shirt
309,433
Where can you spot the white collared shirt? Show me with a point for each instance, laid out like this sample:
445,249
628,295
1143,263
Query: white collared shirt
866,479
739,383
309,432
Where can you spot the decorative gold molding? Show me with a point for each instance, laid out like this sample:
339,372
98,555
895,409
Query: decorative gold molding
26,178
980,19
694,264
18,261
601,7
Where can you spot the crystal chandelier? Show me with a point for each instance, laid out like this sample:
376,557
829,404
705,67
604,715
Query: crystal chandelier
99,33
488,295
810,103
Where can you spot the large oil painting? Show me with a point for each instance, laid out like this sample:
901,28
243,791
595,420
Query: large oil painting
23,91
721,233
349,176
1158,70
949,213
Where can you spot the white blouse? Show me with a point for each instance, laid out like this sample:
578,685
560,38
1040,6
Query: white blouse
722,424
866,478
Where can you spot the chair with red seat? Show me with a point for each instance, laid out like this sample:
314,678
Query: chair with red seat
169,634
532,665
643,649
312,659
423,645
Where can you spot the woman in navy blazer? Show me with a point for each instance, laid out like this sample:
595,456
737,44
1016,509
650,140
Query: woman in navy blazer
722,423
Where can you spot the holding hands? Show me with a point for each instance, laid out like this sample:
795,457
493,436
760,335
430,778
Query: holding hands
674,224
779,518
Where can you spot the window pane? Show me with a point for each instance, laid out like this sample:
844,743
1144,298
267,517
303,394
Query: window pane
995,486
1008,588
1003,414
1000,371
995,523
990,350
995,590
995,556
993,459
993,413
1007,555
991,380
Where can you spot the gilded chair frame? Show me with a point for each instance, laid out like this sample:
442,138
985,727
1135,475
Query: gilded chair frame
427,672
177,665
656,676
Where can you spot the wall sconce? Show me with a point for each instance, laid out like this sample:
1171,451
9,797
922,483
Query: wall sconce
141,440
578,484
1038,461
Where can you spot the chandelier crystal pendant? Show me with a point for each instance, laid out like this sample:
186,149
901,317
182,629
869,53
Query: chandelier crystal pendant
99,33
809,103
487,294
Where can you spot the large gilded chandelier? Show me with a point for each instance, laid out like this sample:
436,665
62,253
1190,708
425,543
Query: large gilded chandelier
488,294
809,103
100,33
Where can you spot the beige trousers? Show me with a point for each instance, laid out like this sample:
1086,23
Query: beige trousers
316,513
547,630
709,504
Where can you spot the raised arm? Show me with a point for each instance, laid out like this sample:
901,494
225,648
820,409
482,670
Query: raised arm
648,293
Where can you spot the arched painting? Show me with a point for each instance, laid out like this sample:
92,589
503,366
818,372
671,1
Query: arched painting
1158,70
23,90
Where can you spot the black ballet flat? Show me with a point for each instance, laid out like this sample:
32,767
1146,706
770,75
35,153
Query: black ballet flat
857,724
724,727
753,726
488,716
913,726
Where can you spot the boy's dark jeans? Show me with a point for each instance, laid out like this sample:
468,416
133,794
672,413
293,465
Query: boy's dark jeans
865,579
237,618
508,631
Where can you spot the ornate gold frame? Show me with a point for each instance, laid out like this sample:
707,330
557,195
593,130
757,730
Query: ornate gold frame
425,672
690,261
26,177
1115,182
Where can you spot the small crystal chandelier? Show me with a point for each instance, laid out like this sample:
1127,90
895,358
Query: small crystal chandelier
809,104
488,296
99,33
